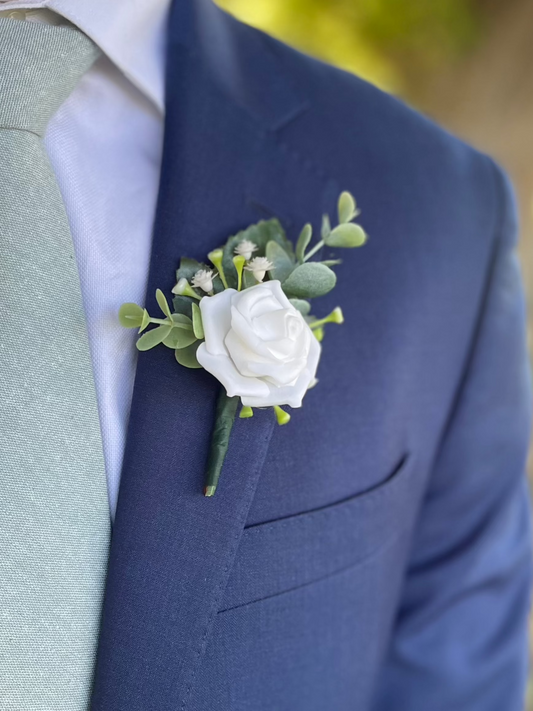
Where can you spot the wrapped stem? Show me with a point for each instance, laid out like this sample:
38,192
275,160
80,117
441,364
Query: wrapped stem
226,411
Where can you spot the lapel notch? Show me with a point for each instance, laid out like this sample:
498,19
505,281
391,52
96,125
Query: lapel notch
245,69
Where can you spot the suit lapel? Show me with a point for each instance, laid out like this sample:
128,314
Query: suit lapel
172,549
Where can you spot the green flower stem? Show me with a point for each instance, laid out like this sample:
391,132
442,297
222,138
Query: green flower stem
239,261
215,257
183,288
313,251
246,412
170,322
335,316
318,333
281,416
226,409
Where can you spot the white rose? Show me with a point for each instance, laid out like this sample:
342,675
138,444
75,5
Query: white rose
258,345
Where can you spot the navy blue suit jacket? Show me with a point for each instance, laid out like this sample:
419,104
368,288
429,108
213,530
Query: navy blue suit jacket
373,555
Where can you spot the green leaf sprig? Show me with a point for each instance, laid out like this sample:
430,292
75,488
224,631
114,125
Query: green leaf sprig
179,331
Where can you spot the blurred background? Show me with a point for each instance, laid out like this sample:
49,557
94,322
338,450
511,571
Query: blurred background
466,63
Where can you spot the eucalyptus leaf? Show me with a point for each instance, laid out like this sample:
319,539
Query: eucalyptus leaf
347,235
197,325
309,280
260,233
180,338
163,304
145,320
170,340
282,263
303,241
188,268
183,305
347,208
218,286
182,321
153,338
248,279
130,315
187,356
331,262
326,227
304,307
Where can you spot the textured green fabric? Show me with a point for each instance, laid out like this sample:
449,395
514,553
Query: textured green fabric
54,513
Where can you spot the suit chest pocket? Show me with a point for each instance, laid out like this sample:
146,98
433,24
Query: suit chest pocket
310,604
278,556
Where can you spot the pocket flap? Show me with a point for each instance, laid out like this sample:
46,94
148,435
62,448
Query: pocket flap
281,555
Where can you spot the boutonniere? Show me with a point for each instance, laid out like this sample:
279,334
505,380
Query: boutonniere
246,319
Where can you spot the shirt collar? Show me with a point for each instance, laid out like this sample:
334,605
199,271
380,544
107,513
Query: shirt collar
132,33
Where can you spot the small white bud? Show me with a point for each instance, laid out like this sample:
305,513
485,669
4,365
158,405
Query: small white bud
245,249
181,286
259,266
203,279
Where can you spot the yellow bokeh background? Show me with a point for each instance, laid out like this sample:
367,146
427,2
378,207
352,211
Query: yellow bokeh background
319,32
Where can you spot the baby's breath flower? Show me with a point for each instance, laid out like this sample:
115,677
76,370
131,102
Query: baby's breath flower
246,248
203,279
259,266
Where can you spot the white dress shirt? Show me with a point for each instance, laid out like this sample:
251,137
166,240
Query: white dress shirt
105,145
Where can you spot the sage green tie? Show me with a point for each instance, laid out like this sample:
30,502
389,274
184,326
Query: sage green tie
54,512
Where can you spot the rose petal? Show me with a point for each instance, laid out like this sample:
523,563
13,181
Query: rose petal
281,361
244,332
216,318
241,355
255,301
222,367
291,395
313,355
279,324
279,374
279,295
